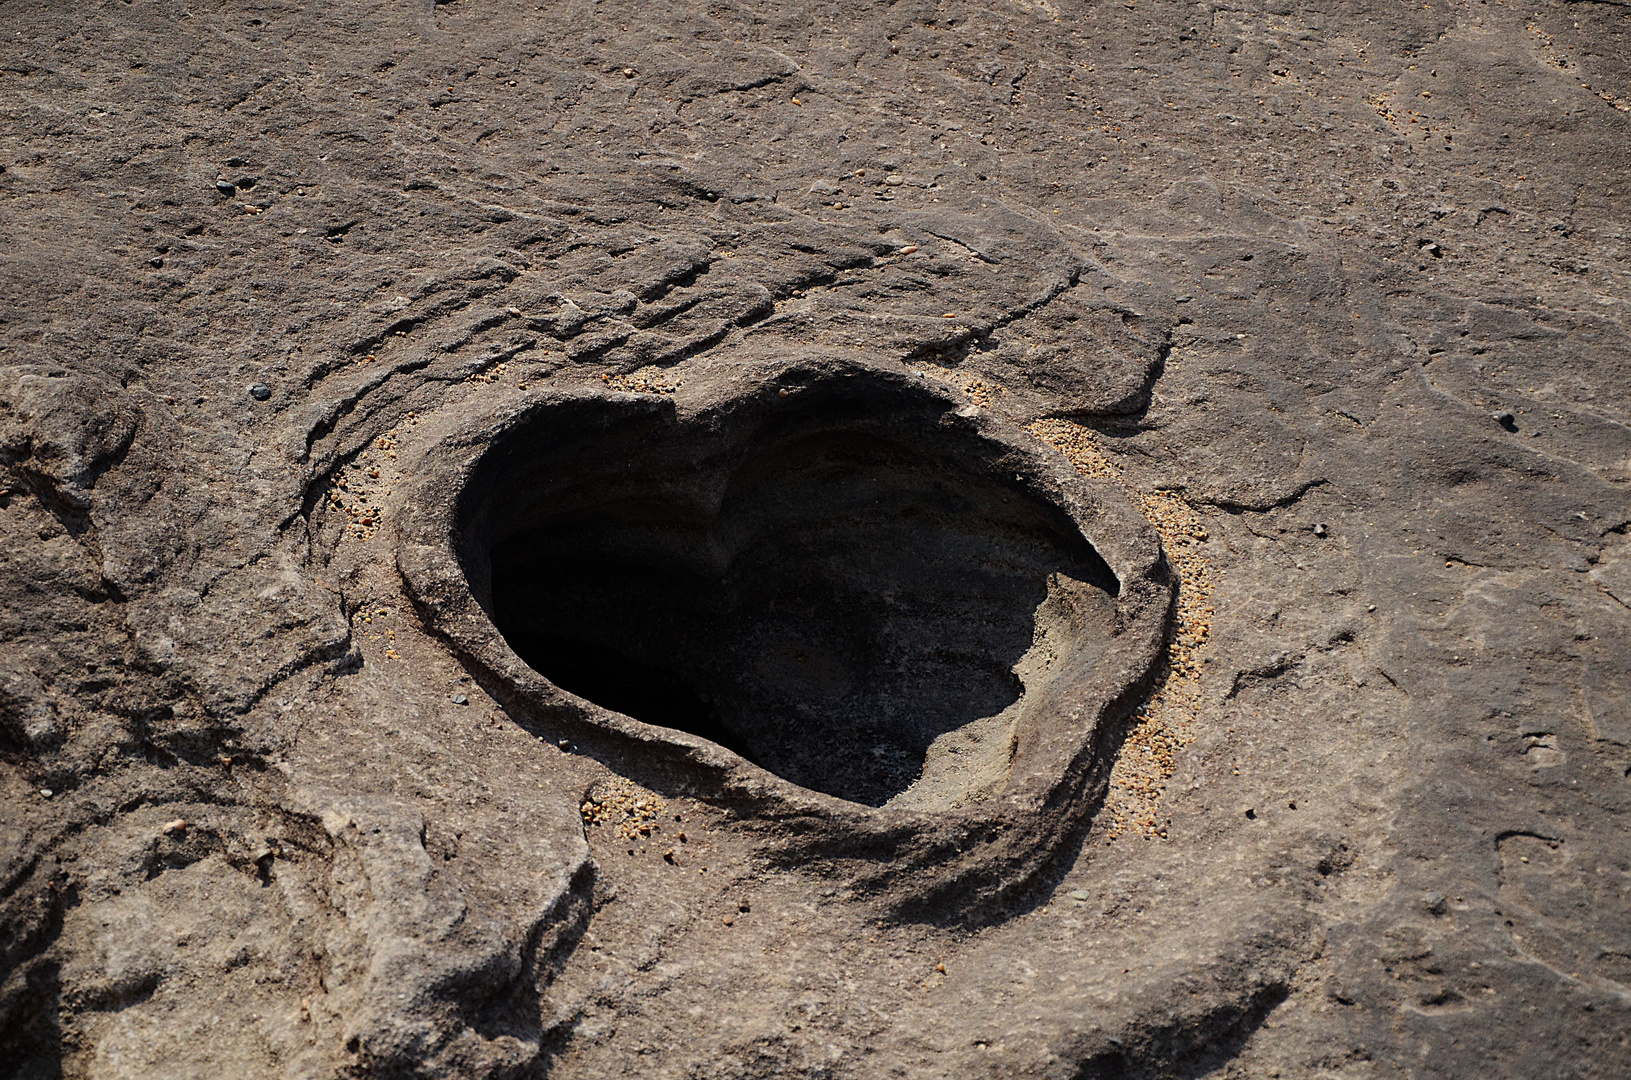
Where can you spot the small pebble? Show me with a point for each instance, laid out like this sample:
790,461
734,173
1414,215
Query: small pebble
260,391
1319,530
628,73
460,699
46,793
1435,903
1505,419
1251,815
156,263
729,920
744,907
178,825
1078,894
225,188
564,744
909,249
893,180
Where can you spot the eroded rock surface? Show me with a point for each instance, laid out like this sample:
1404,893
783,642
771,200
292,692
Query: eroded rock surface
1309,324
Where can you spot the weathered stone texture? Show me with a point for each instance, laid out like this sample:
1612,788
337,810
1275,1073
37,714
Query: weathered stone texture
1333,300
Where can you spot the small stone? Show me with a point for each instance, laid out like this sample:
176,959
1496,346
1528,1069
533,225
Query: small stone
1078,894
225,188
744,907
1319,530
156,263
628,73
1251,815
909,249
460,699
1505,419
1435,903
564,744
729,920
178,825
46,793
894,180
260,391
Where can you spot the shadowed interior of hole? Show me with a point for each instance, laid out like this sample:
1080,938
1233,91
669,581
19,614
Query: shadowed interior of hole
826,603
622,684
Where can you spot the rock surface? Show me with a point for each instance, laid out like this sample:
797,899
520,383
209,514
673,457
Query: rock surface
1334,295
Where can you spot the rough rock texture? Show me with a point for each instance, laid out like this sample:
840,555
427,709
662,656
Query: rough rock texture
1334,295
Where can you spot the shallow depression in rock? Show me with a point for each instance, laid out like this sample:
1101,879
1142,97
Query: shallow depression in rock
848,593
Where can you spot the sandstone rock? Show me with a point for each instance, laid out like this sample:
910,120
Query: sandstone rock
487,489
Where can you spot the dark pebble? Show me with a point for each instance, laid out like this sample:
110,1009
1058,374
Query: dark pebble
1319,530
225,188
155,263
1505,419
260,391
